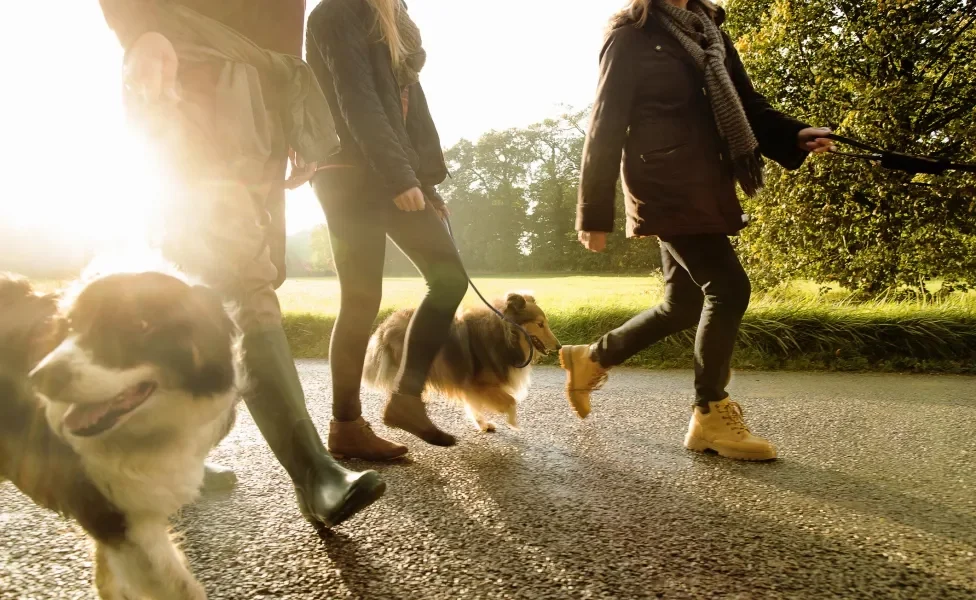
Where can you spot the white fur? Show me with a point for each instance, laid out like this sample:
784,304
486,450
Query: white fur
149,485
147,481
92,383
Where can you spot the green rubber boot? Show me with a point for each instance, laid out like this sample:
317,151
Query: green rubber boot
328,494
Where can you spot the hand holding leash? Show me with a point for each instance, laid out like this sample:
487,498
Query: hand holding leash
815,139
301,171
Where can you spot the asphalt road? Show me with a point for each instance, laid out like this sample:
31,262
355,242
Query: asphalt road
874,496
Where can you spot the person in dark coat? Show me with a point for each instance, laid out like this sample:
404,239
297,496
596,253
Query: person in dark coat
677,114
367,55
223,113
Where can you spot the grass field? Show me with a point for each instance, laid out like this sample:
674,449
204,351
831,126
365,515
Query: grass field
797,327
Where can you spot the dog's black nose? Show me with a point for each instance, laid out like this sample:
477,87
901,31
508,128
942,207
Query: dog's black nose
51,379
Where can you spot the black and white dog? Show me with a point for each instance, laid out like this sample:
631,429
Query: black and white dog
111,397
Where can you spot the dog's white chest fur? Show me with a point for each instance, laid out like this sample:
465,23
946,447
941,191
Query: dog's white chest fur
157,478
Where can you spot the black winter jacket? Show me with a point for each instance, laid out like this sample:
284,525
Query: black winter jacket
651,111
355,71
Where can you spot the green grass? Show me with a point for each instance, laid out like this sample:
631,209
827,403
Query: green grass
795,327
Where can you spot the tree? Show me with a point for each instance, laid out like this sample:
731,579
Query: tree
320,256
488,198
513,199
900,74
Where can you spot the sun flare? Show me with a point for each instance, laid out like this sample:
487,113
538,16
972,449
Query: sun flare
79,174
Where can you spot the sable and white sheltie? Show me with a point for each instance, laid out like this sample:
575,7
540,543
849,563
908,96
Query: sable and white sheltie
479,364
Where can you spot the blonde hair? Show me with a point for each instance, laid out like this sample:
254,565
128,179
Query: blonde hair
387,13
635,13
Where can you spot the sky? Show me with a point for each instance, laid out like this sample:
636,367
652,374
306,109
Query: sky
72,170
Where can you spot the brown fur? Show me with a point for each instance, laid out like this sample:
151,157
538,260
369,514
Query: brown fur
37,461
478,364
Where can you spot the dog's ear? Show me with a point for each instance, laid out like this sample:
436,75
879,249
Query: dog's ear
211,343
515,301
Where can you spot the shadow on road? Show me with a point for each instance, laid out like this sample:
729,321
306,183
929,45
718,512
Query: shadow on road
858,495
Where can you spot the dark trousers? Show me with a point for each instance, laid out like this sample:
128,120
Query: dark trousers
358,228
704,284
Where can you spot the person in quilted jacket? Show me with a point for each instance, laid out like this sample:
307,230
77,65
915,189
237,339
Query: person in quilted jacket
368,56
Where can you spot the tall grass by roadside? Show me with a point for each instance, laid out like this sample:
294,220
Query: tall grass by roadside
798,327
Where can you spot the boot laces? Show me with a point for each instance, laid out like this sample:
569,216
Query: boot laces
735,418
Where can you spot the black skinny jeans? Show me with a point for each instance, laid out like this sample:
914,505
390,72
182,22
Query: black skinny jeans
358,228
704,284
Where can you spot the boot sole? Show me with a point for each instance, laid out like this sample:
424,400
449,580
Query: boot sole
700,445
566,363
341,456
365,491
442,442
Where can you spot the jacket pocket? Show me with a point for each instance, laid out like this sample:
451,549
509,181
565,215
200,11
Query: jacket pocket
649,156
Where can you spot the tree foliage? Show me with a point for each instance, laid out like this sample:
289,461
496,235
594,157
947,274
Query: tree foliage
899,73
512,196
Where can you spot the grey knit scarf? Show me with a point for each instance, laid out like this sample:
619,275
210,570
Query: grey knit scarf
408,71
700,36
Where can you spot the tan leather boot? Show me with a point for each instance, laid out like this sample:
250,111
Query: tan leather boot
723,429
584,374
356,439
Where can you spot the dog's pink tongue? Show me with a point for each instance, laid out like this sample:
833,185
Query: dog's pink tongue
83,416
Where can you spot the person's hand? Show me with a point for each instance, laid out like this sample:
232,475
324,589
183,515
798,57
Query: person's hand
301,172
594,241
411,200
150,69
814,139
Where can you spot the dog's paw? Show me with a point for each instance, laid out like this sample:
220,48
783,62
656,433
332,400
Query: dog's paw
488,427
511,417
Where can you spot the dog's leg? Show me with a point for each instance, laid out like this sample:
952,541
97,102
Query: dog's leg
478,419
106,584
493,399
507,405
149,563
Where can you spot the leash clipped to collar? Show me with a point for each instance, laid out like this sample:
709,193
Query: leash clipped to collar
900,162
528,338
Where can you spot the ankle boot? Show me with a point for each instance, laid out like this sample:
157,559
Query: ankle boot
409,414
356,439
723,430
328,494
584,375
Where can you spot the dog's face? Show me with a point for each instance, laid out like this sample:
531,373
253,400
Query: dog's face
522,309
143,354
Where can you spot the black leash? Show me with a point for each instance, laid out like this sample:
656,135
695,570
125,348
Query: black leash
528,338
899,161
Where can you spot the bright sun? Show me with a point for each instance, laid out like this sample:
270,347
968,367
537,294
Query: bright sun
77,172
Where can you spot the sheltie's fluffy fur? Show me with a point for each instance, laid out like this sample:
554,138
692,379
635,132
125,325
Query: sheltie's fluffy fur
110,400
479,364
